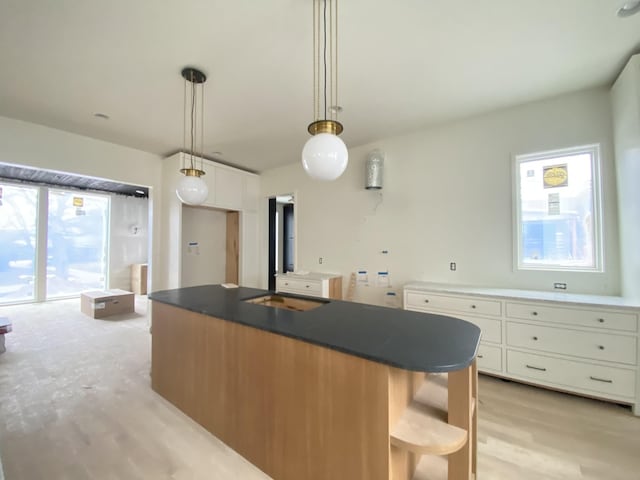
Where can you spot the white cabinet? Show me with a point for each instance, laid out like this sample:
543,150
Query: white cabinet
578,343
229,188
489,358
582,377
251,192
625,103
312,284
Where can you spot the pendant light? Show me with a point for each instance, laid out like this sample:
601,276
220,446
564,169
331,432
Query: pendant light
325,156
192,190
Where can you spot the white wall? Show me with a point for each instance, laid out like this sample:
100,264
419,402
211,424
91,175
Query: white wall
27,144
447,197
128,238
204,263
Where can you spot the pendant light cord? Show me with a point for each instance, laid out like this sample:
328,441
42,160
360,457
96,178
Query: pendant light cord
324,57
193,117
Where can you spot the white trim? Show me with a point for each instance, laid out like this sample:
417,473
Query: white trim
596,188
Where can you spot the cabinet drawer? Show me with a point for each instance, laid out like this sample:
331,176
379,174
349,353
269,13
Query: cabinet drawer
300,286
426,302
571,374
491,328
489,358
594,345
598,318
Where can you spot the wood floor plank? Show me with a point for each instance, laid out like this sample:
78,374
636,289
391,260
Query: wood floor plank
76,404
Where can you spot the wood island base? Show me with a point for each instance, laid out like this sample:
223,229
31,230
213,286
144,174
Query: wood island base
302,411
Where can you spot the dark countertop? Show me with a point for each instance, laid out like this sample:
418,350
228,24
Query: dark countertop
409,340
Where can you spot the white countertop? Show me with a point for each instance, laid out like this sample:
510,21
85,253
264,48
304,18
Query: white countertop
308,275
513,294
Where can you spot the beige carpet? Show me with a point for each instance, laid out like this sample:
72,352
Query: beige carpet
76,403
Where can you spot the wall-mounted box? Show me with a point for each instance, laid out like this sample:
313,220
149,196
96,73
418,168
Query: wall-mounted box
100,304
139,278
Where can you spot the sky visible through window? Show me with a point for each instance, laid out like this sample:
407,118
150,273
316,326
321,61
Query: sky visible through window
557,211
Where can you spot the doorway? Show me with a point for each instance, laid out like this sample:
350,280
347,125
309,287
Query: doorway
210,253
281,237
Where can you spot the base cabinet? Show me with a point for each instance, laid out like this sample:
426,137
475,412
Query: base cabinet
311,284
581,344
489,358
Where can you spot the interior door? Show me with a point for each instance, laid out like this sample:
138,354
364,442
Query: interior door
271,269
288,237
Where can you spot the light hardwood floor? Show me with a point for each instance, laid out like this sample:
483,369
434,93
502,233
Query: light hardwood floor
75,403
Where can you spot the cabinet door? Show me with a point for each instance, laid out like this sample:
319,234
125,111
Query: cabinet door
229,189
251,192
489,358
427,301
577,343
301,286
592,317
571,374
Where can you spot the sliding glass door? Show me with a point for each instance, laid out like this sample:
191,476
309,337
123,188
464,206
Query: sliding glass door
76,242
18,220
71,226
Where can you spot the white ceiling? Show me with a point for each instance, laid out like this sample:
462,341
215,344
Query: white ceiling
404,65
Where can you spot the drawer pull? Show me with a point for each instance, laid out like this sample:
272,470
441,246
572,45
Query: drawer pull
480,356
604,380
286,283
308,286
473,306
601,347
535,338
601,320
426,301
535,314
536,368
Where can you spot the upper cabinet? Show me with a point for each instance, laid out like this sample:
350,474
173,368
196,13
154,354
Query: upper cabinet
251,192
625,102
229,188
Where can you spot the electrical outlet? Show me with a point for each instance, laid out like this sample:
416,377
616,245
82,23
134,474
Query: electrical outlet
320,260
560,285
452,266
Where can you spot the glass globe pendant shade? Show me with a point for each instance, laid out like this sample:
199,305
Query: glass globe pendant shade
325,156
192,190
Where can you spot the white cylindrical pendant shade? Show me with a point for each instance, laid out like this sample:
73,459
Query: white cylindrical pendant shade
192,190
325,156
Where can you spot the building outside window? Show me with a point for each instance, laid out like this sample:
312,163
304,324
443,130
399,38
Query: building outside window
558,216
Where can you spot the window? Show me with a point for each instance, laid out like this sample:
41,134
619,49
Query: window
76,242
18,220
74,233
558,210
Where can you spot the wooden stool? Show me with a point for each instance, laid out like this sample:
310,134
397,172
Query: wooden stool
5,327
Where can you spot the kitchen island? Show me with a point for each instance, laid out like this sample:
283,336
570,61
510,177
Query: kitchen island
320,389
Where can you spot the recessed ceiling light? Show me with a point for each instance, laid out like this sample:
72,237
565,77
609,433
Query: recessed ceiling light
103,116
628,9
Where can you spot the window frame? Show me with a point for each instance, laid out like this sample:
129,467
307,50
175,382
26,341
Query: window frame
594,151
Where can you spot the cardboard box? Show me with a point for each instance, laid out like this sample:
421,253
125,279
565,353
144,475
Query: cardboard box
100,304
139,278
